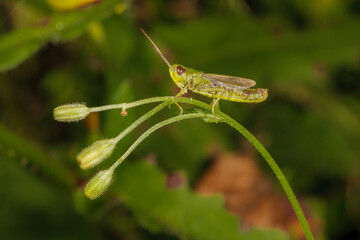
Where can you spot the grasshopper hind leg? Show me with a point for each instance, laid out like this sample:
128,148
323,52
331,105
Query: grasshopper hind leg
213,105
218,92
181,109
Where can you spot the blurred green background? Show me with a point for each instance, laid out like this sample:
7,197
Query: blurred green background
307,53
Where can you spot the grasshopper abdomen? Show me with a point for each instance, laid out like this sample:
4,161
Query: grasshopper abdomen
251,95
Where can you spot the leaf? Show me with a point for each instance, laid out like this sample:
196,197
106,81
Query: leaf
64,5
18,45
41,5
37,157
35,206
142,187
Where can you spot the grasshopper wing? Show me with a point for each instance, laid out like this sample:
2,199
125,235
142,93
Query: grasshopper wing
229,80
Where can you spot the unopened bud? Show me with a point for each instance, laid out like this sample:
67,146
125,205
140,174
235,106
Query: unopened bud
71,112
96,153
98,184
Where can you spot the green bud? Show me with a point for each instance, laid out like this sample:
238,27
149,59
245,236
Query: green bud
98,184
71,112
96,153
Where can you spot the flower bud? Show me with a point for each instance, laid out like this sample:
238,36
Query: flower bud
71,112
96,153
98,184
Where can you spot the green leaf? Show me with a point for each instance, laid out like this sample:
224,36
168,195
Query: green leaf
18,45
143,188
34,205
52,168
41,5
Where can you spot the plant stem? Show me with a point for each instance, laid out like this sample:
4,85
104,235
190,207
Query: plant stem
143,118
278,173
154,128
130,105
222,117
270,161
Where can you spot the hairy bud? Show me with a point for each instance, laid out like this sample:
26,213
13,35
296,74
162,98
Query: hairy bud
96,153
71,112
98,184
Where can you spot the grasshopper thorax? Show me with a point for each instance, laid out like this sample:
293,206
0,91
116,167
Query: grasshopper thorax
178,74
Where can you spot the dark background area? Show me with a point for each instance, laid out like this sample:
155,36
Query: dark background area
307,53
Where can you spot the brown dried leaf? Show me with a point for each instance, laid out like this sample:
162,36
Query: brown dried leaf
249,194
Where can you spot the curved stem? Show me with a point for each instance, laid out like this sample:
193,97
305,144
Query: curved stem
278,173
154,128
143,118
226,119
270,161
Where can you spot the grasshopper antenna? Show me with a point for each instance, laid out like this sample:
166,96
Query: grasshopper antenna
156,48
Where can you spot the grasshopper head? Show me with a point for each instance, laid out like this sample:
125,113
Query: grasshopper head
178,75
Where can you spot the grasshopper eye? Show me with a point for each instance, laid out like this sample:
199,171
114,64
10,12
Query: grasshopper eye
180,70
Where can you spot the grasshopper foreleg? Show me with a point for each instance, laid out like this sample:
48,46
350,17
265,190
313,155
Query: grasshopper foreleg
182,92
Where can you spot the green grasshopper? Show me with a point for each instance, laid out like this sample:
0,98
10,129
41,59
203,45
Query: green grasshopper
215,86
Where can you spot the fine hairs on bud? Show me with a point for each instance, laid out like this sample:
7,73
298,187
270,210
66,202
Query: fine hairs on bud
98,184
96,153
71,112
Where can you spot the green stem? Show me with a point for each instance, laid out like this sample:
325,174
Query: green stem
130,105
143,118
278,173
222,117
154,128
270,161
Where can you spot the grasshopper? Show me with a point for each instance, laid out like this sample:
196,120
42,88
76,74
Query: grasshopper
230,88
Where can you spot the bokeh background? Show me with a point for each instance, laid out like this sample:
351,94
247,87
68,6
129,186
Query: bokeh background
190,180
